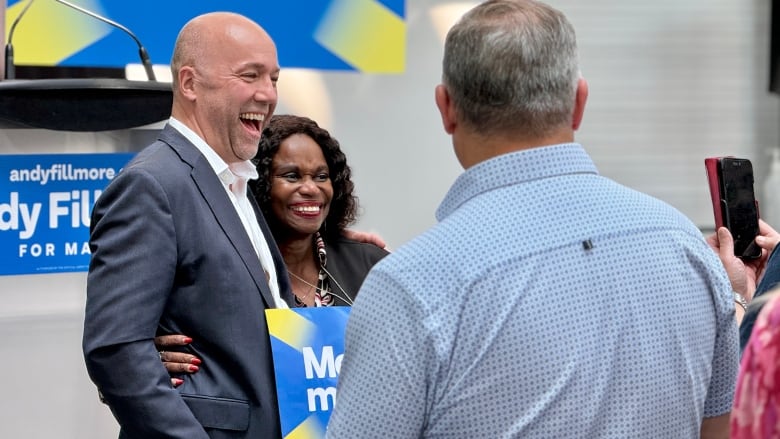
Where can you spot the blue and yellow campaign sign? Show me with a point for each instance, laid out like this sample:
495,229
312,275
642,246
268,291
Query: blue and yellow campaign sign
354,35
307,346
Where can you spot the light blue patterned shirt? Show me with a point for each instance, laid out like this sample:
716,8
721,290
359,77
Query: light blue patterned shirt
549,302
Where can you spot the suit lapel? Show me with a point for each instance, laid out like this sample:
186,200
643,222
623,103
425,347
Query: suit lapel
285,290
216,197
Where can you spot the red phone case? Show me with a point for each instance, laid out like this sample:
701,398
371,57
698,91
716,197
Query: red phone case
711,164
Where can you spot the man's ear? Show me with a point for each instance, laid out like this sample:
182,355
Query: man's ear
579,103
446,109
187,82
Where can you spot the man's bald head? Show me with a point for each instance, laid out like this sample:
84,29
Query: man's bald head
207,34
225,69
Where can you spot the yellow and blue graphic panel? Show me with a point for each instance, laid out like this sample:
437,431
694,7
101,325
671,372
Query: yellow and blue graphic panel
349,35
308,347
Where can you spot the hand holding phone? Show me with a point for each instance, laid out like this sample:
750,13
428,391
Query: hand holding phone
733,202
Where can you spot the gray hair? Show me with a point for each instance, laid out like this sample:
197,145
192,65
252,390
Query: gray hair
511,66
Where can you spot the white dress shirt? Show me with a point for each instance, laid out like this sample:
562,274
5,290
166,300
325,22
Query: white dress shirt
234,178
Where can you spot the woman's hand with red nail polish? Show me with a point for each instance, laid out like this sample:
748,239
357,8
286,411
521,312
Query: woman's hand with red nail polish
176,362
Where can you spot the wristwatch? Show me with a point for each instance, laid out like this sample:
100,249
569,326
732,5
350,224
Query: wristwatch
741,301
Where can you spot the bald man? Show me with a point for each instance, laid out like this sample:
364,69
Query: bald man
178,247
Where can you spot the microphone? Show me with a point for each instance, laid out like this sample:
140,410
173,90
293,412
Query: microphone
141,50
10,71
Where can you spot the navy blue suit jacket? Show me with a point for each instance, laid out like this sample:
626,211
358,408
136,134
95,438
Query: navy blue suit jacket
169,254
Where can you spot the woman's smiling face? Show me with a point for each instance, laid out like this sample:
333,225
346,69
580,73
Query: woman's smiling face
301,189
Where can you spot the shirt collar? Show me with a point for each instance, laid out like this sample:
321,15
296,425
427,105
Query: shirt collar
227,174
513,168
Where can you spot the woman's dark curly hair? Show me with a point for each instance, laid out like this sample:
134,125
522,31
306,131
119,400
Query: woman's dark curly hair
343,206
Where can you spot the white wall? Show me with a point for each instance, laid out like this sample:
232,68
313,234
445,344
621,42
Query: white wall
671,82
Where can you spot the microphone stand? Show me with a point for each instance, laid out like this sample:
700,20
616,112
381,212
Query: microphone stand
10,70
141,50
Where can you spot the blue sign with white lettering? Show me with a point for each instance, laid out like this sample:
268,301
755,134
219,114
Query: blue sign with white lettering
307,346
45,207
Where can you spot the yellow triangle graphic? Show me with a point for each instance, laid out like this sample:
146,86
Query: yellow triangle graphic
365,34
50,32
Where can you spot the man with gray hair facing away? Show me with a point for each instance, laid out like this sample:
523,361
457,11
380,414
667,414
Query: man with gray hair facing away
549,301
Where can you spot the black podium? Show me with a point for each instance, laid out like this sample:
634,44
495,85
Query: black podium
83,104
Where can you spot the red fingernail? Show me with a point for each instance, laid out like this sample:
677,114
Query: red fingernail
177,382
187,340
193,368
196,361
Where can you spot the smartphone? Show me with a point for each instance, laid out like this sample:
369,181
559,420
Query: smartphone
734,203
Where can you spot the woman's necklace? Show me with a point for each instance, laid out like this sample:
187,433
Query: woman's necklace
311,287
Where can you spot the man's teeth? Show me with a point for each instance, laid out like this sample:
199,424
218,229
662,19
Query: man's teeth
252,116
308,209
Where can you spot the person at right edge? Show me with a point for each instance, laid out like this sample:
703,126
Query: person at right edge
549,301
750,278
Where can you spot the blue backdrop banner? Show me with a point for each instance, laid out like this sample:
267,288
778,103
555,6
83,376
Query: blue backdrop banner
353,35
45,207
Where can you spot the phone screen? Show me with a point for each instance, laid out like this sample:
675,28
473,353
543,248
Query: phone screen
739,205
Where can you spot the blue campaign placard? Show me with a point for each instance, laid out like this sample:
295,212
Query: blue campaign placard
45,207
308,347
